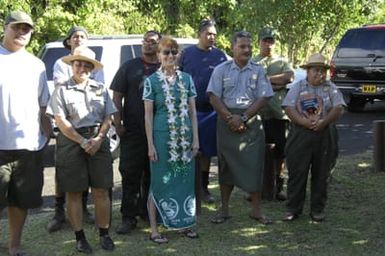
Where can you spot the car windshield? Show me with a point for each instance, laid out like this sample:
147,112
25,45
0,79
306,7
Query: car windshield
366,43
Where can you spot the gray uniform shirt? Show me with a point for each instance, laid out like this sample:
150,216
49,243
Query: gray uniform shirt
239,88
81,107
328,94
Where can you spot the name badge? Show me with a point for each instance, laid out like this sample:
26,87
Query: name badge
99,92
326,88
242,101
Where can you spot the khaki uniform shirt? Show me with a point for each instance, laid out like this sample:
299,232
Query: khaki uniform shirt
313,100
82,107
274,65
239,88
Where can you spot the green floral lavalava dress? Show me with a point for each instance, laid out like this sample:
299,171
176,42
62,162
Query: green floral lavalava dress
172,175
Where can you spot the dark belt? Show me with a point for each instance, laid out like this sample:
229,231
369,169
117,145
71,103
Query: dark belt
88,129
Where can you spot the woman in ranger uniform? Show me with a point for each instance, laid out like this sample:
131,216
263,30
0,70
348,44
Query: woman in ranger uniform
82,109
313,105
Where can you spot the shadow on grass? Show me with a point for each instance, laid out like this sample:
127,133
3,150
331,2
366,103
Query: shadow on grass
353,226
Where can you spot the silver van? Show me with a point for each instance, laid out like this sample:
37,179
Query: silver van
112,51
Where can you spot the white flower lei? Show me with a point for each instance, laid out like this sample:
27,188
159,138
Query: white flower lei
179,144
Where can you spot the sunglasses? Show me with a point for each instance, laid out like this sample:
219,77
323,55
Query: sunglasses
81,64
25,28
168,51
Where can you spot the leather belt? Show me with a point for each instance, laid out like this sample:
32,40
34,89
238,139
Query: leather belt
89,129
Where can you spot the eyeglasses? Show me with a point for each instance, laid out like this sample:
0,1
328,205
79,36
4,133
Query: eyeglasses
168,51
149,41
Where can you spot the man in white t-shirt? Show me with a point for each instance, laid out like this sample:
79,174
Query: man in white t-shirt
24,128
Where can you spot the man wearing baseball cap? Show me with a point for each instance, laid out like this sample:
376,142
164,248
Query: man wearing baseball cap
275,122
19,17
24,128
76,36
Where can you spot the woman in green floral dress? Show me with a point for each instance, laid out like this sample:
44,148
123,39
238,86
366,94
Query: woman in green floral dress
172,137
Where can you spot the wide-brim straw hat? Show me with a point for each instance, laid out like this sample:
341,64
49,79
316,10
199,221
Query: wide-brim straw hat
83,54
316,60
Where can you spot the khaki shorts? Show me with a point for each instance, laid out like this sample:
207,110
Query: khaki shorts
76,170
21,178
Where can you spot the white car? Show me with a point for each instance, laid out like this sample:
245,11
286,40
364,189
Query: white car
112,52
299,74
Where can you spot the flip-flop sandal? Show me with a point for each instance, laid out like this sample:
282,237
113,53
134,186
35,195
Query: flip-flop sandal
219,219
189,233
159,239
262,219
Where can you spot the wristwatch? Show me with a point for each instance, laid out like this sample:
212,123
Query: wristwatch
84,143
244,117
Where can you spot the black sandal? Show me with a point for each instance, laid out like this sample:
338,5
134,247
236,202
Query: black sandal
262,219
159,239
189,233
219,219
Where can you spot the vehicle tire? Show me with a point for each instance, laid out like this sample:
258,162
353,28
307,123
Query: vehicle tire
356,104
114,142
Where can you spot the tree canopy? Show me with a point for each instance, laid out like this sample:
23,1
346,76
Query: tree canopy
304,26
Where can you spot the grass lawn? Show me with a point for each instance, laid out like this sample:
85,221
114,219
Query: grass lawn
354,226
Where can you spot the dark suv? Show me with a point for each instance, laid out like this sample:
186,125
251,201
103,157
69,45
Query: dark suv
358,65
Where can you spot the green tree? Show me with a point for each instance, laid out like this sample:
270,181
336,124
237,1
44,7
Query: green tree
304,26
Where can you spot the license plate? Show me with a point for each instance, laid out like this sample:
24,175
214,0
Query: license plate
368,88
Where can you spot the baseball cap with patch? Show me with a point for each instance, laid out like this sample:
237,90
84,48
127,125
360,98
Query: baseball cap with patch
267,33
18,17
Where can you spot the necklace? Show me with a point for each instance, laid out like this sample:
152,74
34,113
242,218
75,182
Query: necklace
177,115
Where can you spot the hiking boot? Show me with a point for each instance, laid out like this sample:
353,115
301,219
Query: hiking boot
88,217
317,217
126,226
208,198
107,243
83,246
57,221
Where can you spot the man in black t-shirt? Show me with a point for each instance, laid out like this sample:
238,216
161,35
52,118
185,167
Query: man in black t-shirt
127,87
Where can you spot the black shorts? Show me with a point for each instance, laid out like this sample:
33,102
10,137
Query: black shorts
276,133
21,178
